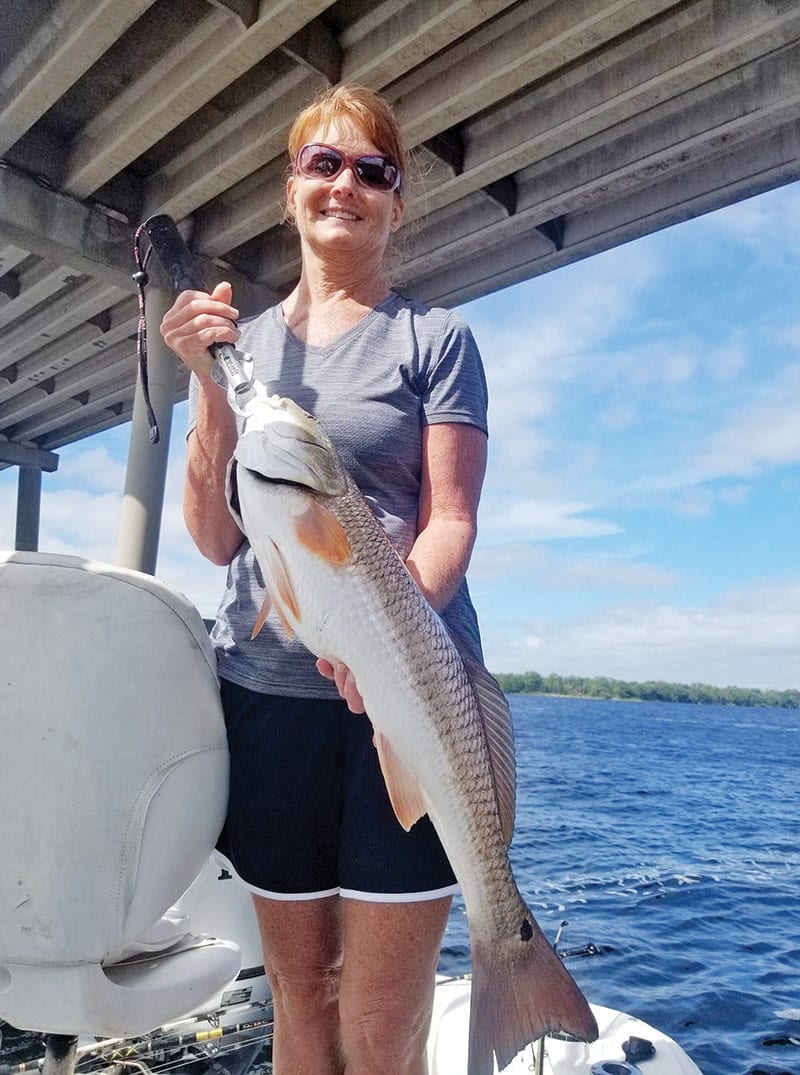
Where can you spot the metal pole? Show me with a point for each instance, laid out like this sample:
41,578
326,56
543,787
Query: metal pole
59,1057
29,503
142,504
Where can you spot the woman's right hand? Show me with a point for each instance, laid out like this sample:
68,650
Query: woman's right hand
195,321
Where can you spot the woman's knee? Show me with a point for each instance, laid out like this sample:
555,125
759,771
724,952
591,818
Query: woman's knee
302,955
302,995
384,1032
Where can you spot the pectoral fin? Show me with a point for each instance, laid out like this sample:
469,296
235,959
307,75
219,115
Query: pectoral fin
232,493
262,616
322,533
405,793
278,583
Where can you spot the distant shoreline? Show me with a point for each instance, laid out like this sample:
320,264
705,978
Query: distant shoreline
651,691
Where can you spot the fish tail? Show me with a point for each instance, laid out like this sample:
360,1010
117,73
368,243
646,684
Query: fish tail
520,991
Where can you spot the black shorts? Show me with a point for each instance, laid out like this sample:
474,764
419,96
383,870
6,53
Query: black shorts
309,815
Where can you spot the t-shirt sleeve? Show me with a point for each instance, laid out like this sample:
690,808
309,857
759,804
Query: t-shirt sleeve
455,387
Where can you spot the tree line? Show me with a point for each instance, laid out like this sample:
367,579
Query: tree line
651,691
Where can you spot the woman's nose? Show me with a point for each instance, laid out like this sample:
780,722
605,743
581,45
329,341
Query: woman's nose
346,179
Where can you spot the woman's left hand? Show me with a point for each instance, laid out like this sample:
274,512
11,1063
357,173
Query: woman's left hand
345,683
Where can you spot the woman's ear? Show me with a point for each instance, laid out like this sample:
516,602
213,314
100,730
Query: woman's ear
398,208
289,207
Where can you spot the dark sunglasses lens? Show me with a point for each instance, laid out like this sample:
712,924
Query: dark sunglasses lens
319,163
376,172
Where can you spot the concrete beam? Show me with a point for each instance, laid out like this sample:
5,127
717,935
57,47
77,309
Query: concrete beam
248,140
87,425
72,38
250,207
26,455
316,48
246,11
485,67
66,312
38,382
63,230
387,43
647,65
36,285
672,138
209,58
233,148
10,256
109,395
665,59
88,242
766,162
524,46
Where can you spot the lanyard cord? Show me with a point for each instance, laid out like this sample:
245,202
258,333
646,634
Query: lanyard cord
141,279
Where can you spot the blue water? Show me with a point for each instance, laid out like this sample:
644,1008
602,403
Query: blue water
667,836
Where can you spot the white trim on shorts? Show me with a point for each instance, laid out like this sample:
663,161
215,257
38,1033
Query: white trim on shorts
398,897
345,893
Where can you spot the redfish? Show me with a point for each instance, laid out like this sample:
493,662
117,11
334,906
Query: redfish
442,726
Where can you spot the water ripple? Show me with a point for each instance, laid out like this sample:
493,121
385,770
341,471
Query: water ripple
666,836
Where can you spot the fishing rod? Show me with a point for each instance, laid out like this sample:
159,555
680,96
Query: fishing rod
230,369
538,1060
157,1044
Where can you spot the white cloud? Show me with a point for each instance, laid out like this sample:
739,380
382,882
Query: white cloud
776,215
91,465
758,436
747,638
541,567
541,520
79,522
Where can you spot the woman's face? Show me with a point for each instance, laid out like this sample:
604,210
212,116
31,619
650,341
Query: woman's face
340,217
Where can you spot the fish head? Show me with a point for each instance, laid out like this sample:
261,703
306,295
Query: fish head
283,443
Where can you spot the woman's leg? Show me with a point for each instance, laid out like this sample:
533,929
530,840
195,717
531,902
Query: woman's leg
302,941
390,955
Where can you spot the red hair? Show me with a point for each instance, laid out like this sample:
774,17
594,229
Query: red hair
360,105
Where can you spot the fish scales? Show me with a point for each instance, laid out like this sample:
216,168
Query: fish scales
391,621
348,597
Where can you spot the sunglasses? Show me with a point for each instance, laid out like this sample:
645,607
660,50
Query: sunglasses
318,161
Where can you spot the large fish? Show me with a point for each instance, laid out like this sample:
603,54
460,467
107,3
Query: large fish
442,727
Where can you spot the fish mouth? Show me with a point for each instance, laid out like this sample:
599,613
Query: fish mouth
286,445
294,462
287,455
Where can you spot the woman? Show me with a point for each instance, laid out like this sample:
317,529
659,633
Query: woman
351,908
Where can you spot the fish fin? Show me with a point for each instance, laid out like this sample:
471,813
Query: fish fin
496,716
322,533
520,991
405,794
262,616
287,627
232,493
278,582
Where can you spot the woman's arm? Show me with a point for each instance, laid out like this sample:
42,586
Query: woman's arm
453,466
209,448
195,321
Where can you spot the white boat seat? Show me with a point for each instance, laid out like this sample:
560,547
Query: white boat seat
113,791
171,928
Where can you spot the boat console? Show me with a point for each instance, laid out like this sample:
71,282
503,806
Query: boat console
113,791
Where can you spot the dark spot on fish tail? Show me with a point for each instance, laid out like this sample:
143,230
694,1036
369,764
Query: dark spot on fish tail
526,930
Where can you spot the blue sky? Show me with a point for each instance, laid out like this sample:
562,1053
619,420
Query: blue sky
641,511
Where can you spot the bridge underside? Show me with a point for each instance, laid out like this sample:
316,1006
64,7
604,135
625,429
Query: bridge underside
545,131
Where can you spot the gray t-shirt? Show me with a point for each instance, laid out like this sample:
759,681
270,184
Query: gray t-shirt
402,367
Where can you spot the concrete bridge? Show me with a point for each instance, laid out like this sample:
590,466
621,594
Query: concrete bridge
545,131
